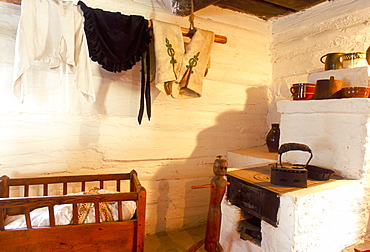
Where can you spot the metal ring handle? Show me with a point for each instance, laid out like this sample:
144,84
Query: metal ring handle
294,146
322,58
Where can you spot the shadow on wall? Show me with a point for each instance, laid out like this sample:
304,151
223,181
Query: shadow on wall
163,189
233,130
119,93
166,241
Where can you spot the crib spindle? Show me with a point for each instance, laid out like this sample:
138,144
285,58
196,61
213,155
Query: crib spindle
51,216
2,218
26,190
101,184
119,210
65,188
118,185
75,213
97,212
46,188
83,186
28,217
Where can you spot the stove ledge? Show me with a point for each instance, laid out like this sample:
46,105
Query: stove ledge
345,105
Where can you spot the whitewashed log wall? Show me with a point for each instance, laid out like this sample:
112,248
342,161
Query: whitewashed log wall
173,151
299,40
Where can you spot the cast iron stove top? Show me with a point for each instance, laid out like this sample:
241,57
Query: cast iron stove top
260,177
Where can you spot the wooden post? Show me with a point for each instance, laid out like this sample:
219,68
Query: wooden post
133,175
4,193
141,208
217,188
4,187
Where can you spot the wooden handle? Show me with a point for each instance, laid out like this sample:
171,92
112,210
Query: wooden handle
200,186
205,186
187,33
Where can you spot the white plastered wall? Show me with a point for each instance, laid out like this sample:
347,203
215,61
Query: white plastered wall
173,151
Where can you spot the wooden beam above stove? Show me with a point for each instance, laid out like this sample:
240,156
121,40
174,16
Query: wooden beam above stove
261,8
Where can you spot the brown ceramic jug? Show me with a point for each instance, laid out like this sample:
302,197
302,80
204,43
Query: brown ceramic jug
273,137
328,88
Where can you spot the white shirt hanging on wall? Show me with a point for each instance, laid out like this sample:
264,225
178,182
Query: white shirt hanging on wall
52,31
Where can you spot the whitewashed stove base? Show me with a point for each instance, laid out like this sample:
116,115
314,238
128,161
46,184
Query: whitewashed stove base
230,238
328,217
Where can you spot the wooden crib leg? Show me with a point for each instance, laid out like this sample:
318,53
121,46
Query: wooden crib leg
199,244
196,246
219,247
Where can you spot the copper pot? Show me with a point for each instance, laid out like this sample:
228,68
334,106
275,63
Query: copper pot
333,60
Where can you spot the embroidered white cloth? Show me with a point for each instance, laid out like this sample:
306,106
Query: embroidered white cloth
180,71
52,31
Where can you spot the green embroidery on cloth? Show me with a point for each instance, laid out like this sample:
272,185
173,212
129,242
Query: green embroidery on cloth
171,53
193,62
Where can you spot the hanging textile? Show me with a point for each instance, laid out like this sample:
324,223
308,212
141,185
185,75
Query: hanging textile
180,72
52,31
117,42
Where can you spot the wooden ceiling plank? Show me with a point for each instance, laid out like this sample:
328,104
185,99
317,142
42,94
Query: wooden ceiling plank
183,7
261,8
258,8
12,1
296,5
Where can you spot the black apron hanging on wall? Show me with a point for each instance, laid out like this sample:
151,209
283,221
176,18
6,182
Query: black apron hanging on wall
117,42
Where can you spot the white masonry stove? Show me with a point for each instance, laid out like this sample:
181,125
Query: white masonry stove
329,216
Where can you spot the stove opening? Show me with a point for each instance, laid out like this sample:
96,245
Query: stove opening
250,228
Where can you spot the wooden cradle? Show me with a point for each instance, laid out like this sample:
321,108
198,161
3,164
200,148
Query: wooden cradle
121,235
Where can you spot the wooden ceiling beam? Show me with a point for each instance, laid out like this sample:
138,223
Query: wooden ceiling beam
259,8
183,7
12,1
296,5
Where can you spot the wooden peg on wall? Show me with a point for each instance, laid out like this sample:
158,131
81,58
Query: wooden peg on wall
188,33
